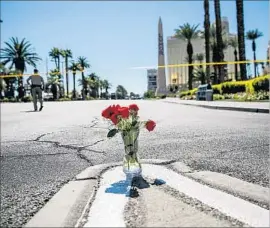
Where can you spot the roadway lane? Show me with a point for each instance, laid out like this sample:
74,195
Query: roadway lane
42,151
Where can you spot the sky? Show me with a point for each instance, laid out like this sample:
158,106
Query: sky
117,36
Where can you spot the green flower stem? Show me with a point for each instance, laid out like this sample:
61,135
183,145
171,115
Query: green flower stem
130,139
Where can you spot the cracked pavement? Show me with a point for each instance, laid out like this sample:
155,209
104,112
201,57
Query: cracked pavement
41,151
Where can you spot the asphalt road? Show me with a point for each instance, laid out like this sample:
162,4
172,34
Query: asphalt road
40,151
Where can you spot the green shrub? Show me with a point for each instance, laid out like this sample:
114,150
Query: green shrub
171,95
27,99
12,100
218,97
188,92
250,86
89,98
64,99
149,94
233,87
261,83
5,100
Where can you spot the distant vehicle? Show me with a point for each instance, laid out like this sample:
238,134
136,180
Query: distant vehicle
113,96
127,98
48,96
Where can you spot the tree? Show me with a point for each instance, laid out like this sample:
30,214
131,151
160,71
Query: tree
101,86
93,84
55,55
207,36
53,83
74,67
234,44
83,64
121,91
241,37
188,32
66,54
200,57
19,54
107,85
220,54
254,35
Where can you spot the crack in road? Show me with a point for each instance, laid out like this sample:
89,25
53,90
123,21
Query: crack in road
32,155
78,149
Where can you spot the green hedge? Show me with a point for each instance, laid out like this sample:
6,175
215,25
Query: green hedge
250,86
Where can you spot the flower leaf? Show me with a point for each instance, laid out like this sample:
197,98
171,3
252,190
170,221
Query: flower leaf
112,133
134,123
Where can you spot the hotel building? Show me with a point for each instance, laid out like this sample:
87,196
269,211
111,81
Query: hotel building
152,80
177,54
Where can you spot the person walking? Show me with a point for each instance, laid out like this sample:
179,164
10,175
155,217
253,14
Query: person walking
37,85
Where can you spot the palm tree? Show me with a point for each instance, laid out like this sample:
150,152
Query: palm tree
107,86
234,44
121,91
207,36
55,55
19,54
200,57
241,37
101,86
53,82
93,82
66,54
188,32
219,34
74,67
253,35
83,64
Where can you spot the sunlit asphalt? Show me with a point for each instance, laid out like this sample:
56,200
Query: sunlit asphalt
40,151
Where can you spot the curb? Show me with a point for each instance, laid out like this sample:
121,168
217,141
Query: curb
256,110
68,206
71,204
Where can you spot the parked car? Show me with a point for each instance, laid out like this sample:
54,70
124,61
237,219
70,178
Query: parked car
113,96
48,96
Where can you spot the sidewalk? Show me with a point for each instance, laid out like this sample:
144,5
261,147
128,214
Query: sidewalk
169,194
260,107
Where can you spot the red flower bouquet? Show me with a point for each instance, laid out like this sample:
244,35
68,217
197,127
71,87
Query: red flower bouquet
126,121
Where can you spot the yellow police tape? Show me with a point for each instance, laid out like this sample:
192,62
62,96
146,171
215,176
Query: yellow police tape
174,65
204,64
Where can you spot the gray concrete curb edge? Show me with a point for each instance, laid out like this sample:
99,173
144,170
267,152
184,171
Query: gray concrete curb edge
256,110
70,206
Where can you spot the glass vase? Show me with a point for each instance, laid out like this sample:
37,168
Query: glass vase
131,165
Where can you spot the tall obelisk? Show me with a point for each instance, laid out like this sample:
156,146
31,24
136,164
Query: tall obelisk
161,77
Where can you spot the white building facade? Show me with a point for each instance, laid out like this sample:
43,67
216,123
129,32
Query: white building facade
177,54
152,80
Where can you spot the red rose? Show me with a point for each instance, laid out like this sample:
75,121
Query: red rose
114,119
124,112
108,112
115,108
150,125
134,107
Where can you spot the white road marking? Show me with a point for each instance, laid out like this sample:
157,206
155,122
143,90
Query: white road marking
237,208
108,208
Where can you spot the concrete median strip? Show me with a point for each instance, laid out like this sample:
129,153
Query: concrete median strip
100,197
233,185
210,105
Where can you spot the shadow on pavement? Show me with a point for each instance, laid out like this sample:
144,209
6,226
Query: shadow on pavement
121,187
29,111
